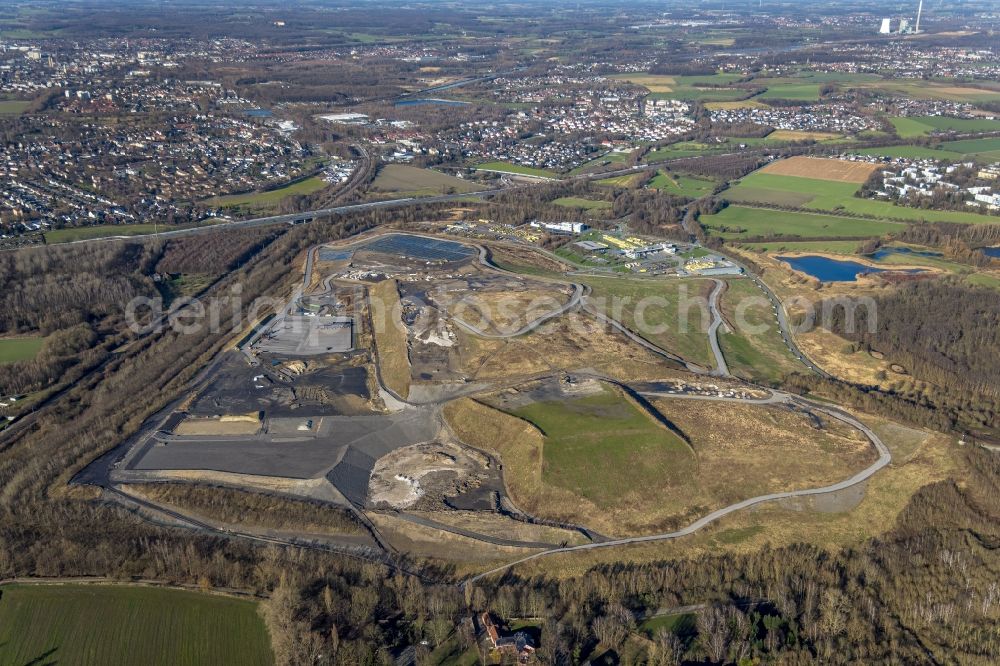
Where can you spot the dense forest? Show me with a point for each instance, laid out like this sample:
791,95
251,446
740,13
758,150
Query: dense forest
943,331
76,295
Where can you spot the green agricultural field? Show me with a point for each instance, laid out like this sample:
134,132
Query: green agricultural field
908,128
106,624
262,200
620,181
620,298
19,349
507,167
754,349
923,125
687,149
937,89
832,77
580,202
682,185
71,234
740,222
402,180
984,280
982,149
651,82
602,446
12,107
702,88
800,91
916,152
834,196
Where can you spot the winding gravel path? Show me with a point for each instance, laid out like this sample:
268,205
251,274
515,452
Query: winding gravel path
885,457
531,325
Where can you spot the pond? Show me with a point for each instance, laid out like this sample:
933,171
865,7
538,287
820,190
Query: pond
835,270
991,252
258,113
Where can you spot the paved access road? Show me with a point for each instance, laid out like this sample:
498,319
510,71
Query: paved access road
779,311
721,368
775,397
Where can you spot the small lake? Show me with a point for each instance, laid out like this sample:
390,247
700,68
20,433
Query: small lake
991,252
433,102
884,252
258,113
825,269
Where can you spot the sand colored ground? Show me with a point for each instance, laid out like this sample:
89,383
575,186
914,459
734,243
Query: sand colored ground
402,477
226,425
654,83
320,488
739,452
822,169
499,526
390,337
739,104
525,259
507,311
572,342
402,178
422,541
919,458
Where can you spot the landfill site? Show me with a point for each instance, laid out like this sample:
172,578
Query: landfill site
298,406
345,395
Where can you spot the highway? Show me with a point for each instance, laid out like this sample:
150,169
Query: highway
291,218
310,215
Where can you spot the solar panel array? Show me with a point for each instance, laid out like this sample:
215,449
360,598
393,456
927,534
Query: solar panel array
327,254
418,247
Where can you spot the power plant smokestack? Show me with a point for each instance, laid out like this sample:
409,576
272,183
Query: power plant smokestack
920,10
